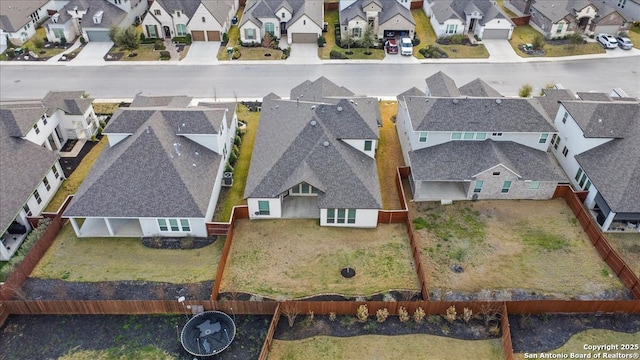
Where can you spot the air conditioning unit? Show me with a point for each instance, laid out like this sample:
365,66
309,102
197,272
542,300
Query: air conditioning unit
227,179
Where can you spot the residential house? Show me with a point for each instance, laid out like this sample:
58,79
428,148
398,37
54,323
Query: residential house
441,85
293,21
19,18
182,149
597,147
480,18
30,173
314,159
559,18
204,20
630,8
92,19
466,148
386,18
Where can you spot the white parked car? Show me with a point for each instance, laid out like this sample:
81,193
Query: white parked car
607,41
406,46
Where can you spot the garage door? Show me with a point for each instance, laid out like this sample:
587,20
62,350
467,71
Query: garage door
197,35
304,38
99,36
213,35
495,34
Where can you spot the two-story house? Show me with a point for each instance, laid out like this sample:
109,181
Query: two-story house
480,18
290,21
464,148
597,147
204,20
313,159
387,19
19,18
183,149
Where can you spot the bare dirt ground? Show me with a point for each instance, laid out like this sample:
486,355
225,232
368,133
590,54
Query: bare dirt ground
297,258
627,245
510,250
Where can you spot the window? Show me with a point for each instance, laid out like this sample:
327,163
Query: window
157,12
263,207
178,14
351,216
331,216
534,185
283,15
587,185
578,174
481,136
456,136
44,119
151,29
55,171
295,190
543,138
58,33
118,2
27,210
270,28
250,34
565,151
181,30
35,127
506,186
451,28
36,194
582,180
553,138
367,145
371,22
496,173
162,224
46,184
564,117
469,136
557,144
422,137
622,3
478,186
204,19
173,224
184,223
496,134
341,216
559,28
304,22
356,32
305,188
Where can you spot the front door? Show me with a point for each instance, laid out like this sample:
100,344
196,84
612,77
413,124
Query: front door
167,31
472,24
283,28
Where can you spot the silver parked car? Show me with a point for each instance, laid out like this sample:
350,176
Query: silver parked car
607,41
624,42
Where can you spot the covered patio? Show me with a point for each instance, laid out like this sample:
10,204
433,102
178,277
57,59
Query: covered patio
300,207
439,190
106,227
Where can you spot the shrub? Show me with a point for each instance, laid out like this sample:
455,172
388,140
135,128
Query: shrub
321,41
418,315
416,40
525,91
388,297
403,314
233,158
102,123
458,39
538,41
467,314
38,43
451,314
159,45
291,313
237,140
362,313
186,242
165,55
335,54
332,316
143,38
27,244
370,327
11,54
382,315
236,53
63,41
228,168
225,38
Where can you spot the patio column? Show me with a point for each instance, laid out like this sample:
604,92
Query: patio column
74,225
590,201
56,140
608,221
47,145
109,228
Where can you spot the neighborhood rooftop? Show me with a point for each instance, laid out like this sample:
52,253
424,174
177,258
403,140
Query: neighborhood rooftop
14,14
390,8
604,119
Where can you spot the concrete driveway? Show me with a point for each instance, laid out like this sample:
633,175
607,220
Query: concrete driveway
92,54
399,59
500,51
304,54
202,52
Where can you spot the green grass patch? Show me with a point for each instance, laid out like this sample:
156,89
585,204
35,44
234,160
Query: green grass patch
466,225
543,240
331,17
525,34
144,52
506,10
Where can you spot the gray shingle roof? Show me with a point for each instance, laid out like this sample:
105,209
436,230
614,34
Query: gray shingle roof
23,165
555,10
550,100
477,114
594,96
604,119
614,167
256,9
187,7
290,149
71,102
14,14
457,9
219,9
478,88
18,117
440,84
414,91
111,14
155,101
151,173
462,160
390,8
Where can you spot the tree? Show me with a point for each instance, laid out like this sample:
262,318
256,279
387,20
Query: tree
367,40
525,91
575,39
125,37
538,41
348,40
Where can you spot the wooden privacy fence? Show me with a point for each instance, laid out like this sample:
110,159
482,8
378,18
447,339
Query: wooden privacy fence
598,239
507,344
396,216
266,346
521,20
239,212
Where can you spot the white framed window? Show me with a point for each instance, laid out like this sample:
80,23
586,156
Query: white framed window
46,184
157,12
263,207
469,135
559,28
578,174
506,186
478,187
162,224
55,172
622,3
44,120
303,188
181,30
557,143
553,139
27,210
564,117
534,185
36,128
496,173
565,151
481,136
543,138
368,144
451,28
496,134
356,32
351,216
250,34
178,14
331,216
341,216
270,28
174,225
36,195
204,19
184,223
456,136
422,137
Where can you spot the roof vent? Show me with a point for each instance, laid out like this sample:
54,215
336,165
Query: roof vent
313,123
325,143
351,101
339,108
313,107
425,100
498,101
455,101
600,121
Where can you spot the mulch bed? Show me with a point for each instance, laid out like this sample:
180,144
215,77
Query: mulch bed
116,56
396,295
69,164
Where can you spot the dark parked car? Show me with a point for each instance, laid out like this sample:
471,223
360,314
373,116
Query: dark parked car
391,46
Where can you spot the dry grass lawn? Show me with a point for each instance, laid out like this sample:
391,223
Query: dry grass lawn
504,244
144,52
525,34
285,259
627,245
113,259
389,156
386,347
593,336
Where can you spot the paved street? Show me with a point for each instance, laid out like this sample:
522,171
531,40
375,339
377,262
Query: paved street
238,80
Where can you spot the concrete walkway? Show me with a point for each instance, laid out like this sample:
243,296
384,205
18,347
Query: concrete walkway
71,49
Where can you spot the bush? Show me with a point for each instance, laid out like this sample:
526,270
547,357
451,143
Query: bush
321,41
237,140
362,314
159,45
225,38
432,52
451,314
525,91
182,39
382,315
228,168
538,41
335,54
467,315
416,40
165,55
233,158
83,40
63,41
403,314
38,43
419,315
27,244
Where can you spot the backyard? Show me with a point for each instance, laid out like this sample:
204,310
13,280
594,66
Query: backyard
288,259
389,156
517,249
525,35
627,245
115,259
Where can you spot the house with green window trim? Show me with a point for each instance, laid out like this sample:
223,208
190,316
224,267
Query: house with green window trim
484,147
161,173
316,158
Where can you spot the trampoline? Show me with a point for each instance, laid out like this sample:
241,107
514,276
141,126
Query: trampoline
208,333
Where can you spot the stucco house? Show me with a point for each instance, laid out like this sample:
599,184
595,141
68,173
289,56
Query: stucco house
480,18
386,18
291,21
204,20
597,147
559,18
92,19
313,159
18,18
30,173
161,173
464,148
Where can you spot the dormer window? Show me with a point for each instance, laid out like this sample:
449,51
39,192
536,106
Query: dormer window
178,13
283,15
157,12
